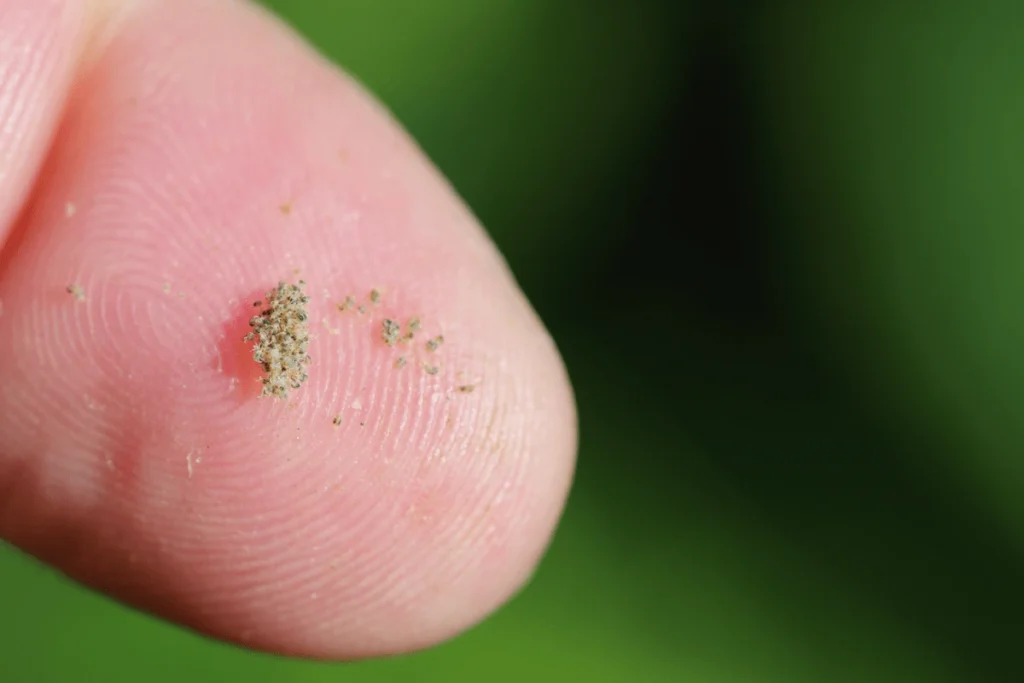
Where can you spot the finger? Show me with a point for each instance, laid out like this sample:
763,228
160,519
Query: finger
40,41
207,155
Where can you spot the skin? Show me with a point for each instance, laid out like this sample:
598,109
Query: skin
175,159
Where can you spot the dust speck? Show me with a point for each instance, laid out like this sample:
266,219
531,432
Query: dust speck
76,291
336,421
327,326
190,464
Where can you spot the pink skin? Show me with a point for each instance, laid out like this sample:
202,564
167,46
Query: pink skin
175,160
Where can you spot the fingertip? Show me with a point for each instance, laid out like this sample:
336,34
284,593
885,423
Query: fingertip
39,44
208,155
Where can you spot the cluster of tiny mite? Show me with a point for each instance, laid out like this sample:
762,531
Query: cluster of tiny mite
283,334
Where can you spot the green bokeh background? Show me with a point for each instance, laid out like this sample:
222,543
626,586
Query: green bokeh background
779,245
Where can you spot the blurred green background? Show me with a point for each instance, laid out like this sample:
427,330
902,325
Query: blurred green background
779,245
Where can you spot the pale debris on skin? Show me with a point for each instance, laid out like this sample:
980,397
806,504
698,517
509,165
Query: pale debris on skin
375,297
77,292
431,369
400,362
190,463
283,339
435,343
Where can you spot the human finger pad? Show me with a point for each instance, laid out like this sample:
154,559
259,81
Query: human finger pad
39,44
387,504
